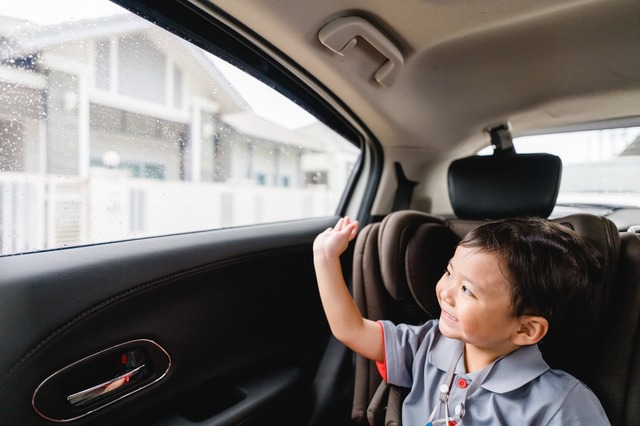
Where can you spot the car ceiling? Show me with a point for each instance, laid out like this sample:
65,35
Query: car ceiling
468,65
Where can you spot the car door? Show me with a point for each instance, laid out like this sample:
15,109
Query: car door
180,319
225,323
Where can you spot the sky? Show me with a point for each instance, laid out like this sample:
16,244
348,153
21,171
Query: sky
52,11
265,101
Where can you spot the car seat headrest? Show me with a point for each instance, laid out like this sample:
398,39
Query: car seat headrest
414,249
504,185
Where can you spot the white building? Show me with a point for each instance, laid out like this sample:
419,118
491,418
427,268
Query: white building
104,108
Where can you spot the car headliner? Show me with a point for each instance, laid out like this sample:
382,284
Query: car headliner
468,65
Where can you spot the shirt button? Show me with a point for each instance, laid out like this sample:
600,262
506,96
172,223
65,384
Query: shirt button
462,383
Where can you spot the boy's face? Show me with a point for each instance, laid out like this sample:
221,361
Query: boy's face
475,300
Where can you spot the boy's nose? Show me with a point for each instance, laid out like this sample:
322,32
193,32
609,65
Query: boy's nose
446,293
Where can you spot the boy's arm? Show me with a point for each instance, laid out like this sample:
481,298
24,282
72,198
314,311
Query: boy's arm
347,324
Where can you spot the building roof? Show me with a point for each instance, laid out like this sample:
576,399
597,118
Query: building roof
22,38
252,125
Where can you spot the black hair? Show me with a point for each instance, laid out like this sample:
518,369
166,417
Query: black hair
552,270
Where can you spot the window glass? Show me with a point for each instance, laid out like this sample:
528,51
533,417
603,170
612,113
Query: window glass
112,128
600,168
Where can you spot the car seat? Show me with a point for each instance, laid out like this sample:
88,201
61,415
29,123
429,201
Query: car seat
616,376
398,261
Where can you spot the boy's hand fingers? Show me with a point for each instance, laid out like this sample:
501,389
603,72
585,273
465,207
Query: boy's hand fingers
354,231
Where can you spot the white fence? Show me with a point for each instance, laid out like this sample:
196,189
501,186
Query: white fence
42,211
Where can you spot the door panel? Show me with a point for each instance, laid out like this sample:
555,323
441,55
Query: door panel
236,310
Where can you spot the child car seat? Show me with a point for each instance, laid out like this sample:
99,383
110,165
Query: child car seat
398,261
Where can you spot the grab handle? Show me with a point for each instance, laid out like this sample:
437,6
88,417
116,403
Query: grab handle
340,35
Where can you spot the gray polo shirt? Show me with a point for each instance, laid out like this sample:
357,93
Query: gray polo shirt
520,389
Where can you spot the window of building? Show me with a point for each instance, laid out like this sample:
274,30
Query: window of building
102,61
141,68
316,177
177,88
162,132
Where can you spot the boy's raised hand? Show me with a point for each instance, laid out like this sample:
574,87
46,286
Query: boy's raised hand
347,324
334,241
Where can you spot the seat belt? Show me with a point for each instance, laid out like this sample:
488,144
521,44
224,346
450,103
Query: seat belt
404,191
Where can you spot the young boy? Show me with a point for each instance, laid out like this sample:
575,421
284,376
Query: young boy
479,363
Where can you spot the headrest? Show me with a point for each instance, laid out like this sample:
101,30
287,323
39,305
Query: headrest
504,185
414,248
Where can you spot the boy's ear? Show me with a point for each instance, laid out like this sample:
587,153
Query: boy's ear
532,328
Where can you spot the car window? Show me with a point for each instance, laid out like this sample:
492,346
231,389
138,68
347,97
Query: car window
600,168
112,128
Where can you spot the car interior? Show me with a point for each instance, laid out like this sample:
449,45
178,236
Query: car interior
225,326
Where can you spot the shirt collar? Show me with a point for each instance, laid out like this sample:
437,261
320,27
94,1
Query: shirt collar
509,373
442,350
516,370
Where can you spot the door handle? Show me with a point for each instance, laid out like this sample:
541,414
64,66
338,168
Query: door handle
101,379
89,395
340,35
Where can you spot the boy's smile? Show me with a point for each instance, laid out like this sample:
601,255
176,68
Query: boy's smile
448,317
474,296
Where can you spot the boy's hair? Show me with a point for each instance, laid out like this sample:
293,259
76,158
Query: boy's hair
552,270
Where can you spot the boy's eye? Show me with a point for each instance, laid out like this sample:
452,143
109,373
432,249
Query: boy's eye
466,291
447,273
